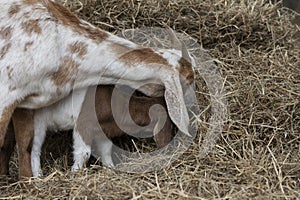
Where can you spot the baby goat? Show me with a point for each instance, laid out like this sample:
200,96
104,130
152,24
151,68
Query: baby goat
46,52
72,110
116,117
75,108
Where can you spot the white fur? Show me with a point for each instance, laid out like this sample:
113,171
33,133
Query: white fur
62,116
102,148
59,116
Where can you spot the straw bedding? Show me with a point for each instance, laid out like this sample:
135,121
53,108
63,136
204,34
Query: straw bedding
254,45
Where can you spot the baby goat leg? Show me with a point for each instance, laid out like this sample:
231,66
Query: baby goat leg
82,151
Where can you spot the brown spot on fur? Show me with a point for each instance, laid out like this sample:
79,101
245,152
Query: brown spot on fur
6,33
145,55
33,95
58,91
30,98
27,45
14,9
26,15
66,71
30,2
4,50
9,72
79,48
73,83
186,70
31,26
95,34
12,88
120,49
67,18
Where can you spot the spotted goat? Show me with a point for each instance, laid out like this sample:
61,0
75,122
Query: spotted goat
46,52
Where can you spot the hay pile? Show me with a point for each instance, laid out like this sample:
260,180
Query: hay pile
258,154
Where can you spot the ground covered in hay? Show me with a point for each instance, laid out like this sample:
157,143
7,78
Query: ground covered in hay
254,46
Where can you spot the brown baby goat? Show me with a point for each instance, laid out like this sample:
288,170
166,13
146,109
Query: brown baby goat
74,111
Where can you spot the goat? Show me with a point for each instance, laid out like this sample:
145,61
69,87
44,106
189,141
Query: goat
65,114
46,52
74,111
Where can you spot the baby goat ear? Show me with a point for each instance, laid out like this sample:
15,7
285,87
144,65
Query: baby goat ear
175,103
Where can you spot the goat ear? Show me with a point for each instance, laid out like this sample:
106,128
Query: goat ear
175,103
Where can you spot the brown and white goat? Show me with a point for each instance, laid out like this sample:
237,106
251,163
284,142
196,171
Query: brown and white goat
75,109
46,52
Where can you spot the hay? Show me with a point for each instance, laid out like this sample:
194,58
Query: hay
257,156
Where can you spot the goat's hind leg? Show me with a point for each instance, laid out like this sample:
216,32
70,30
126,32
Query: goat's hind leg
24,132
8,104
7,150
9,100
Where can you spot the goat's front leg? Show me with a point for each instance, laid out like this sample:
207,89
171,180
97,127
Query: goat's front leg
82,149
23,121
7,149
163,137
102,147
83,130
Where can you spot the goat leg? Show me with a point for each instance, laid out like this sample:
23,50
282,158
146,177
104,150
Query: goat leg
6,150
24,132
